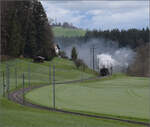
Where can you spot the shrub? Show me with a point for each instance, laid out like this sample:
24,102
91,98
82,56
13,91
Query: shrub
141,64
80,63
63,54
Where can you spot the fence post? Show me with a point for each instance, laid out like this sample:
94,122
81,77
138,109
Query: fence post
16,77
3,84
50,74
23,87
7,73
83,72
29,73
54,86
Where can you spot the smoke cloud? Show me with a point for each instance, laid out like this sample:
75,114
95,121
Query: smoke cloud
106,61
106,53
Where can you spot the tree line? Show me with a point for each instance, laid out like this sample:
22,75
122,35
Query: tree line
25,29
54,23
64,25
131,37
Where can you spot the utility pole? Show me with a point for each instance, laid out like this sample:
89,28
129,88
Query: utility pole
93,51
50,82
93,59
90,59
54,86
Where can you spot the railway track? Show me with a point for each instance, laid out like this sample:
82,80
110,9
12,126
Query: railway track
17,96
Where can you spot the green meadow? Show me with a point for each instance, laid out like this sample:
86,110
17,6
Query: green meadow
68,32
122,96
93,97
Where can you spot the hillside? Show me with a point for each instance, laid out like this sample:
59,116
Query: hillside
68,32
15,115
39,72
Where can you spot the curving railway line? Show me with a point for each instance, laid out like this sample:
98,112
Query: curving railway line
17,96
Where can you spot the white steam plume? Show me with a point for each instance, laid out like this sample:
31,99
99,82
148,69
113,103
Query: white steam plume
106,61
120,58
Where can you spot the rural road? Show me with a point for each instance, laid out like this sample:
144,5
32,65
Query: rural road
17,96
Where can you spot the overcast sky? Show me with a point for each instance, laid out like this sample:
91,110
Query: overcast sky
100,14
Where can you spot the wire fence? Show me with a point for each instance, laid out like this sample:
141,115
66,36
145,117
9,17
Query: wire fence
15,74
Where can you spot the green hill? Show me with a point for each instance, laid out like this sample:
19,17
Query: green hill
65,70
68,32
81,96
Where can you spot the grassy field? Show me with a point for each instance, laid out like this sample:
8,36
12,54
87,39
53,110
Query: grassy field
121,96
15,115
39,72
68,32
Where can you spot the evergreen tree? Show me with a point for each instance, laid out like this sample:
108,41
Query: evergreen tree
44,36
15,40
74,54
25,29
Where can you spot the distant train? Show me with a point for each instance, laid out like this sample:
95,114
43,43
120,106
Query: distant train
105,64
105,71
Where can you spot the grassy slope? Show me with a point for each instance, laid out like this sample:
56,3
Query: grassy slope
122,96
66,32
14,115
65,71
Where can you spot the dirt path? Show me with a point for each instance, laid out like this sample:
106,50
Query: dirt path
17,96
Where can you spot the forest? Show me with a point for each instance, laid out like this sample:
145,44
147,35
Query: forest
131,37
25,30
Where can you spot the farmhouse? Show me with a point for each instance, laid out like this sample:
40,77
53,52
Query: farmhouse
57,49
